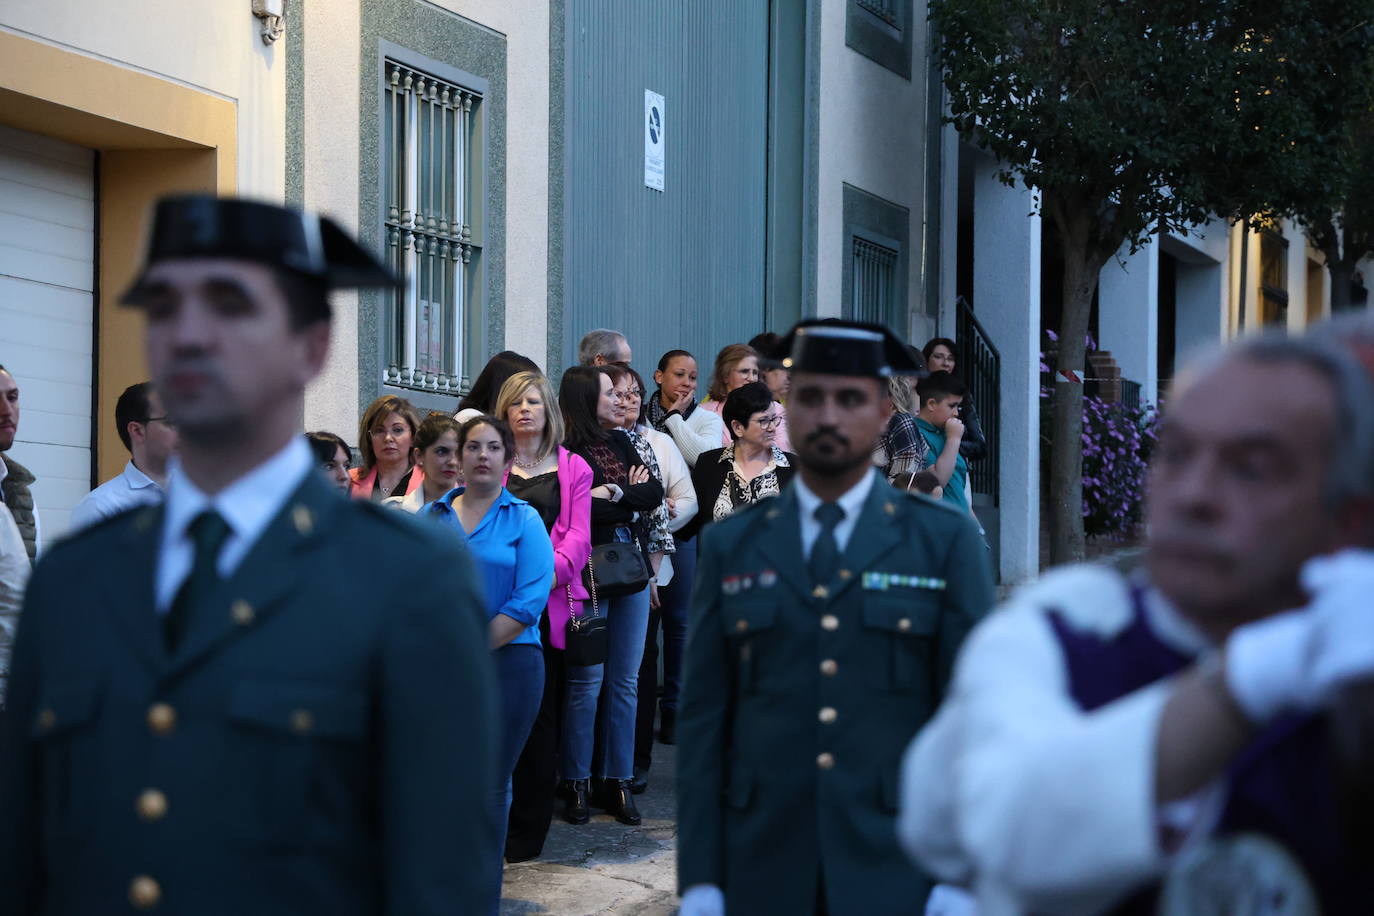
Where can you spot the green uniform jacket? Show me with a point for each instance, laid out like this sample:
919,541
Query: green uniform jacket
799,699
322,741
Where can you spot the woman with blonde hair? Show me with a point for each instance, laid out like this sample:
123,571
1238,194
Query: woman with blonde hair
738,365
558,484
386,436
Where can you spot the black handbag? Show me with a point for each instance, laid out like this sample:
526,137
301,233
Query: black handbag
616,569
585,635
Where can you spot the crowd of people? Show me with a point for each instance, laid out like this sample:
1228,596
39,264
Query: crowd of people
369,735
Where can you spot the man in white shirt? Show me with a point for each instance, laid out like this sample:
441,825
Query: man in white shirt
223,704
1104,733
150,435
823,629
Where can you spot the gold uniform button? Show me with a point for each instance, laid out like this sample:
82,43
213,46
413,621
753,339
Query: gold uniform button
830,667
904,624
302,721
825,761
741,625
144,892
845,574
827,715
242,612
152,805
820,591
161,718
830,622
47,719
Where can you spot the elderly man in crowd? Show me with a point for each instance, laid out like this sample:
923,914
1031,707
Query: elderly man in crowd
603,347
1113,743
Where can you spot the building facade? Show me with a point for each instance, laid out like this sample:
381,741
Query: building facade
691,174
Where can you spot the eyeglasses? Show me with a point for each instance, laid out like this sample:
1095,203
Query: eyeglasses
770,422
165,421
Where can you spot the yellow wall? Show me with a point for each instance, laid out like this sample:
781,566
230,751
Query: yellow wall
154,137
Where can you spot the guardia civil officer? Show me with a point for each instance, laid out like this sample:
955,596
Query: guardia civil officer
820,640
214,709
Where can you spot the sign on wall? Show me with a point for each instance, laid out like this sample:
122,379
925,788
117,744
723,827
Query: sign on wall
653,140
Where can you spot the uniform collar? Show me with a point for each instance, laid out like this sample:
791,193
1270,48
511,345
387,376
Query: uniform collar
852,502
248,504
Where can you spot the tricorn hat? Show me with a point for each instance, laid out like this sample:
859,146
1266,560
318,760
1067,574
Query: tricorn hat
313,246
832,346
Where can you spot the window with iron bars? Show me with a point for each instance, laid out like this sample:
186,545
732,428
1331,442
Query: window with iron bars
875,293
431,183
886,10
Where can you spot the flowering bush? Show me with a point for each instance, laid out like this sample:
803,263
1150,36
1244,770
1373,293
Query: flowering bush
1117,443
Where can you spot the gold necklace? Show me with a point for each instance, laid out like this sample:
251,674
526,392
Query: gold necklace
528,465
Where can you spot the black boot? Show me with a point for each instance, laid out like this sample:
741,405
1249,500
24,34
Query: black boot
667,726
640,784
616,797
574,794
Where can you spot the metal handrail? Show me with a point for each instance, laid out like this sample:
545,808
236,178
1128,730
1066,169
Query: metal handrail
979,364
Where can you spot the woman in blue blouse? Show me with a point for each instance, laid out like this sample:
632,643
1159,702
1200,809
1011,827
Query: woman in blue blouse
515,560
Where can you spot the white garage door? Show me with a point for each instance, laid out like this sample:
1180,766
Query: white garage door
47,255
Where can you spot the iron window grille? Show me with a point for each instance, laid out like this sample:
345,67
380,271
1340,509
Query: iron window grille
875,293
431,164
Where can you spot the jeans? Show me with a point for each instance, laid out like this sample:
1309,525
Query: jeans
520,675
627,619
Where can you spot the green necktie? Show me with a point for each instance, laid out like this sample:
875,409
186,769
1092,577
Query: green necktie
825,553
208,531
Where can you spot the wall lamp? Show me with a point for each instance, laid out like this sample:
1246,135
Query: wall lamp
273,16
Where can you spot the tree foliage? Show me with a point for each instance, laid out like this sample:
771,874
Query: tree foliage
1131,117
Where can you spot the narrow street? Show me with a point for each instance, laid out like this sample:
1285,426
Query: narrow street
605,868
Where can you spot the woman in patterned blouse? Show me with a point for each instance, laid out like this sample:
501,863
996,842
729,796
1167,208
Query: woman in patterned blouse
752,467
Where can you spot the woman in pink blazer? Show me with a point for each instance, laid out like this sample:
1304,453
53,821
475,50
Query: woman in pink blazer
559,486
385,437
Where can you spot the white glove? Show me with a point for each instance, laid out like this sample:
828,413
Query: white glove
703,900
1295,661
1267,665
1342,587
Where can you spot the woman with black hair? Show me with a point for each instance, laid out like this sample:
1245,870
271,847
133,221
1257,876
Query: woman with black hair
940,357
673,408
334,457
750,468
481,398
623,492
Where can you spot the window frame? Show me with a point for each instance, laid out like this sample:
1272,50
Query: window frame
476,294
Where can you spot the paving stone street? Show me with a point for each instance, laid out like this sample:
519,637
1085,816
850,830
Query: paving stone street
605,868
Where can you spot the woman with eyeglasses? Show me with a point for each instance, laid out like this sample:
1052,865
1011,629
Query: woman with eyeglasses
385,437
753,466
738,365
671,590
623,492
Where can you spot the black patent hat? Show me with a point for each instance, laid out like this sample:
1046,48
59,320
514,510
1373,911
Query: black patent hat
832,346
313,246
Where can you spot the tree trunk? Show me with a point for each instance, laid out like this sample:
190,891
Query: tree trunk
1067,542
1342,275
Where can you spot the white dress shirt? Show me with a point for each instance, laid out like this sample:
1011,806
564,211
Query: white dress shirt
130,488
248,506
852,502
